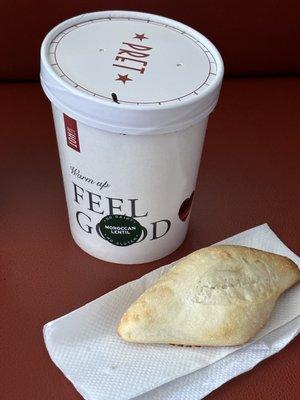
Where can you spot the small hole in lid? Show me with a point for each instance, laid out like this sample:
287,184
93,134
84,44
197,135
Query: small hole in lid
100,50
115,98
179,65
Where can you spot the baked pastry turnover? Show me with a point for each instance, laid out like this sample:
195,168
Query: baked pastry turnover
216,296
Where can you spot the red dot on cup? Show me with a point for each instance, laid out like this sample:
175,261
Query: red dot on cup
185,207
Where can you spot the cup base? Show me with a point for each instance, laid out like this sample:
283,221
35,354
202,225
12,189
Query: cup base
125,259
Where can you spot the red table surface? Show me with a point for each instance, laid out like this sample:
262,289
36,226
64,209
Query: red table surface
249,175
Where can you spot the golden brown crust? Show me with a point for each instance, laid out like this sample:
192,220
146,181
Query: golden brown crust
216,296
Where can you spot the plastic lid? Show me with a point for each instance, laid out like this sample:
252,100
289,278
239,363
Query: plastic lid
130,72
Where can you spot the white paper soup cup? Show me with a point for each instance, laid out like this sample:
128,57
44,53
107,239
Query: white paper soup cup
131,94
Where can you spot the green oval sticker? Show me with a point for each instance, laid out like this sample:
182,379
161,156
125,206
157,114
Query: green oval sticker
119,230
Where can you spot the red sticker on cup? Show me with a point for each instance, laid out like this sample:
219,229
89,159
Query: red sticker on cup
185,208
72,133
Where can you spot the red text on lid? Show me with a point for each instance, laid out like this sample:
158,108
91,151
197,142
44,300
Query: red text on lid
133,58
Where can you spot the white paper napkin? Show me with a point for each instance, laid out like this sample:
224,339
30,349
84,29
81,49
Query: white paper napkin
85,346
